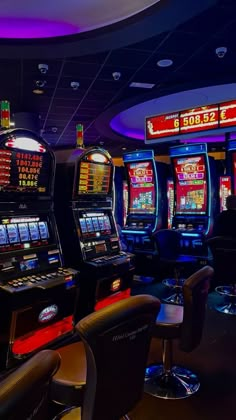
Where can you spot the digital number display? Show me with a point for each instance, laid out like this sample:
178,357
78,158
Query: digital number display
191,120
94,178
199,119
191,185
142,188
225,190
24,171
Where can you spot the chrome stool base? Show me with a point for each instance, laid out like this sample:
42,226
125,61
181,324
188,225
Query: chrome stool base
228,309
179,383
176,299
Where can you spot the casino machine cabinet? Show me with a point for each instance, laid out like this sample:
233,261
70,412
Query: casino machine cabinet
37,294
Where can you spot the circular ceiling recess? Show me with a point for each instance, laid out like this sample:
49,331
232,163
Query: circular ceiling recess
43,19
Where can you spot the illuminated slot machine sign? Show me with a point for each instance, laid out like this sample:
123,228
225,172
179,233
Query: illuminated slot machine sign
191,185
142,189
170,198
225,191
24,167
94,178
191,121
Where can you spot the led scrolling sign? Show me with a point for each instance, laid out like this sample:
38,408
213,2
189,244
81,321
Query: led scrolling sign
191,120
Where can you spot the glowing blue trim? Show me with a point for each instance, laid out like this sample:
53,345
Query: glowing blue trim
138,155
231,145
190,234
136,232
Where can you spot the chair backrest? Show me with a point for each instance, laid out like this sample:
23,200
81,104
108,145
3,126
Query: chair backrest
168,243
223,249
116,340
24,392
195,292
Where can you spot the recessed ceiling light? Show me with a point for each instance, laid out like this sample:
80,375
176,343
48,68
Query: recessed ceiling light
142,85
38,91
167,62
124,148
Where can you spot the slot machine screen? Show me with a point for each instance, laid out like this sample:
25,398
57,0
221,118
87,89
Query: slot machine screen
95,225
22,170
234,170
94,178
225,190
191,184
23,233
142,194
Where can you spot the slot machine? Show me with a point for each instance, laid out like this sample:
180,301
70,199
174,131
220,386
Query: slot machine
231,163
147,200
88,229
195,196
38,295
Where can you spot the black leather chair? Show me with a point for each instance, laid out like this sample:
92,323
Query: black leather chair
115,341
24,392
184,323
173,263
223,251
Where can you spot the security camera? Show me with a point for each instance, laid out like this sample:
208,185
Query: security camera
43,68
40,83
116,75
221,51
74,85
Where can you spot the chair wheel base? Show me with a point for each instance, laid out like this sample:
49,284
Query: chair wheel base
227,308
176,299
179,383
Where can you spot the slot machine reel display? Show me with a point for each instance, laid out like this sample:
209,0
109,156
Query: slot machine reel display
147,200
195,195
37,294
88,229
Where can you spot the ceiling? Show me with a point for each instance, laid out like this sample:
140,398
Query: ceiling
132,48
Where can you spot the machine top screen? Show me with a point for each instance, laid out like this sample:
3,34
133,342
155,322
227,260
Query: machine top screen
191,184
94,178
142,194
25,167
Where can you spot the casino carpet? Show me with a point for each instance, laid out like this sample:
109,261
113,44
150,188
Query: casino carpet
214,361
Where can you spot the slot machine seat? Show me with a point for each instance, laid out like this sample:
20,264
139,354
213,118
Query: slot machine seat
116,343
184,323
24,393
223,249
173,263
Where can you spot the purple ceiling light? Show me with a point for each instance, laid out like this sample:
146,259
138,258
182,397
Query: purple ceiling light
34,28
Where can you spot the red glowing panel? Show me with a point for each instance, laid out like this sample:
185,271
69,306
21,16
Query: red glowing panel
39,338
191,185
225,190
234,170
124,294
199,119
228,114
142,188
162,126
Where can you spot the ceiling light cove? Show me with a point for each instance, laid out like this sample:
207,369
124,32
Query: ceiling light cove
24,19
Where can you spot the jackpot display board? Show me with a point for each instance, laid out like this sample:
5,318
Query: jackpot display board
142,189
191,121
191,185
94,178
22,170
225,190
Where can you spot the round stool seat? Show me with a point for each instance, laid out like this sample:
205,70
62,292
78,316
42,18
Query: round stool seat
68,384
